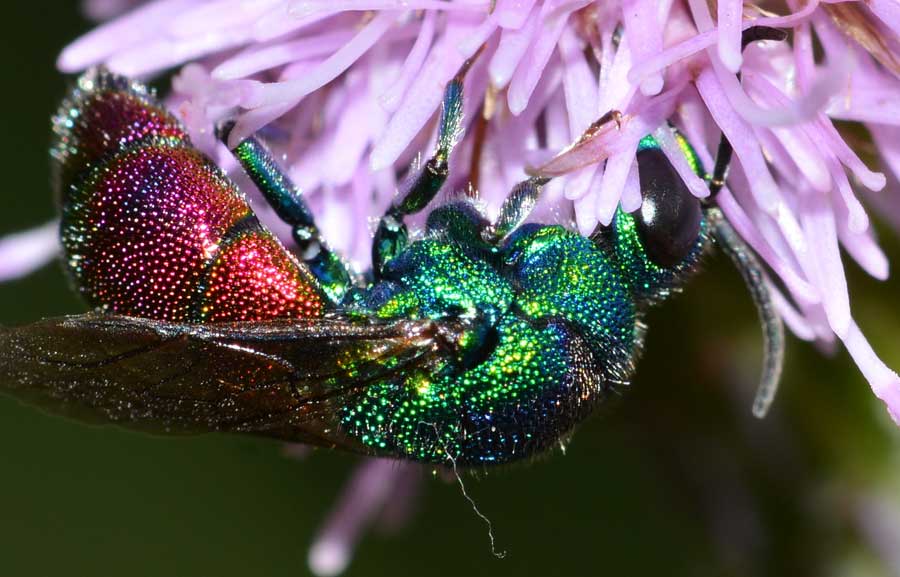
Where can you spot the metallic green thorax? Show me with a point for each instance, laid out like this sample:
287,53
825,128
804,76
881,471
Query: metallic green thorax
555,329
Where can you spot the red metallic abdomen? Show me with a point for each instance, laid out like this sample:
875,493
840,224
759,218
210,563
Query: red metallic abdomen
152,228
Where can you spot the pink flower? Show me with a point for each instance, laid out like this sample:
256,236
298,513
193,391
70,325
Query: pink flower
347,91
23,252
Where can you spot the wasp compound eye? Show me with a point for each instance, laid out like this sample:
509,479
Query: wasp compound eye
668,222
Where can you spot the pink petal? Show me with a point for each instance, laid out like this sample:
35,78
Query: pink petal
616,91
708,38
884,382
631,192
745,227
212,17
579,84
514,42
390,98
257,60
586,214
22,253
536,57
872,180
740,134
360,501
789,174
512,13
828,84
422,98
792,318
670,147
294,90
612,183
804,56
888,11
824,266
652,65
164,52
580,182
357,124
873,105
580,89
250,122
278,23
304,8
871,96
610,138
120,34
645,36
795,141
861,246
516,143
806,155
748,228
730,14
857,219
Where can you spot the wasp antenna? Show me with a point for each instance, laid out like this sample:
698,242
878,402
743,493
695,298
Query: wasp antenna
724,152
773,327
223,130
746,262
757,33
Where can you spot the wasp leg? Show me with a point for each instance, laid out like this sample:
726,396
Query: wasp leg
283,196
392,237
515,208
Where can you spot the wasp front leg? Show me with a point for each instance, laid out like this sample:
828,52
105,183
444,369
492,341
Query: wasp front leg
516,208
287,201
420,188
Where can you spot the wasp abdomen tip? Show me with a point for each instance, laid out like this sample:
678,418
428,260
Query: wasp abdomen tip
105,114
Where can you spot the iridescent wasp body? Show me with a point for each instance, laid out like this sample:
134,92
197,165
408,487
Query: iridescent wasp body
481,342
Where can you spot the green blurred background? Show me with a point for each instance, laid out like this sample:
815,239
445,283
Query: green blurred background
677,480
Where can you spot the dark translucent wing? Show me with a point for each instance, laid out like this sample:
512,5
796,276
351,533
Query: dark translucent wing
286,379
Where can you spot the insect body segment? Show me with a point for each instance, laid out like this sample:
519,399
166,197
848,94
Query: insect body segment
517,333
152,228
554,331
478,342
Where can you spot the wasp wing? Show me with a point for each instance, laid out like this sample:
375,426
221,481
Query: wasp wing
286,379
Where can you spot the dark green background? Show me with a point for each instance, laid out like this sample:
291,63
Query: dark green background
677,480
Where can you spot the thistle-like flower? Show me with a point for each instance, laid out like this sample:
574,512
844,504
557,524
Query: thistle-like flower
347,91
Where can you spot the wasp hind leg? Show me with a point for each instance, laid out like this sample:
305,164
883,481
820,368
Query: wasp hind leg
287,201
